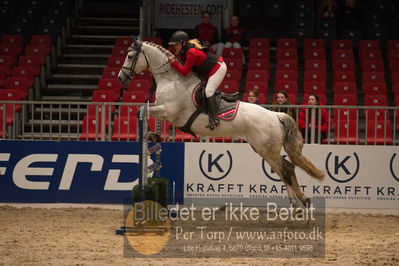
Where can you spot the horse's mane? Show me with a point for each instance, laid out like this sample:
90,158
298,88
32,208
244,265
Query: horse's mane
166,52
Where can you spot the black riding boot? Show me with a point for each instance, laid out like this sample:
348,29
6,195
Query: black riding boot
212,109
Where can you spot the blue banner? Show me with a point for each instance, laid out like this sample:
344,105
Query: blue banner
80,172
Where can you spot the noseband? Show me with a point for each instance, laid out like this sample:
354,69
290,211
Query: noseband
136,46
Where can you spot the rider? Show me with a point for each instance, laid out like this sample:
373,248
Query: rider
206,65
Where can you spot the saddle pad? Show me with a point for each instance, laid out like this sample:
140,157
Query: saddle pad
226,111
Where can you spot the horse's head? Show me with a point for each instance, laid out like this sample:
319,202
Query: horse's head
135,62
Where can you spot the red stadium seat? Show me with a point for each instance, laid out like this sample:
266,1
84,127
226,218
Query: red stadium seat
316,87
379,132
315,76
33,61
372,65
234,63
259,53
372,77
91,128
315,64
114,61
375,88
395,88
135,96
317,54
345,88
7,61
256,85
26,72
314,44
345,114
142,85
9,49
286,75
343,76
13,39
110,72
110,84
371,55
392,45
287,54
18,83
369,45
125,128
286,43
258,64
119,51
96,110
395,77
229,86
39,50
127,110
103,96
289,86
232,75
339,55
258,76
123,41
232,53
10,110
341,45
345,99
287,64
393,55
344,65
259,43
375,100
346,132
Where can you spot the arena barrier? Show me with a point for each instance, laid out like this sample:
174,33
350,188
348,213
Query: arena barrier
51,120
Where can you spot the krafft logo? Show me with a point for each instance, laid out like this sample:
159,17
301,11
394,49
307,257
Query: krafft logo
269,172
215,166
394,165
342,168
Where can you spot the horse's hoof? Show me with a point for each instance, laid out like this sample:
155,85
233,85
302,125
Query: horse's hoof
154,137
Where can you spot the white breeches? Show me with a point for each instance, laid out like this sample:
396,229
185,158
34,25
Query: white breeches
215,80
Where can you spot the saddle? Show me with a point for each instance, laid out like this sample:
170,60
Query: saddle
227,103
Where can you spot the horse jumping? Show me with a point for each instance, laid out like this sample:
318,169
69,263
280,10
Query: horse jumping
266,131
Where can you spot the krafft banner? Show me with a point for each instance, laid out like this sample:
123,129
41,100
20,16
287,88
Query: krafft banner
79,172
186,14
357,176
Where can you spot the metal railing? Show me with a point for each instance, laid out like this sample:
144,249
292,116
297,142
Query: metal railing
56,120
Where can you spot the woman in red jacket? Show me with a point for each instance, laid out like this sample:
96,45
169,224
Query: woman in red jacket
206,65
322,126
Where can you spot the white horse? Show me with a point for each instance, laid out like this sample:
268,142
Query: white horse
266,131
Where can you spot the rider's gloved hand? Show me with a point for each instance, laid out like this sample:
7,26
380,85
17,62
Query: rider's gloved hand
172,58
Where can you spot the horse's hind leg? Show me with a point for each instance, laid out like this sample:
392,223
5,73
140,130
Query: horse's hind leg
289,173
285,170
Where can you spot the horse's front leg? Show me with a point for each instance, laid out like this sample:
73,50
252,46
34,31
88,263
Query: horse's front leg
159,112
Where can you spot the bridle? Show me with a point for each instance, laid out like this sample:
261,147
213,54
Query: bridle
136,46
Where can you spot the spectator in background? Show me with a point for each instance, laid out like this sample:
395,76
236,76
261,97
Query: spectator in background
322,125
282,98
234,36
208,34
327,9
253,96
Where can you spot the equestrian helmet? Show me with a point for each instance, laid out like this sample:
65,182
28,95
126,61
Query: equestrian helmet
179,36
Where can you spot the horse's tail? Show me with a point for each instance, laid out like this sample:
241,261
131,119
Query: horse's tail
293,147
